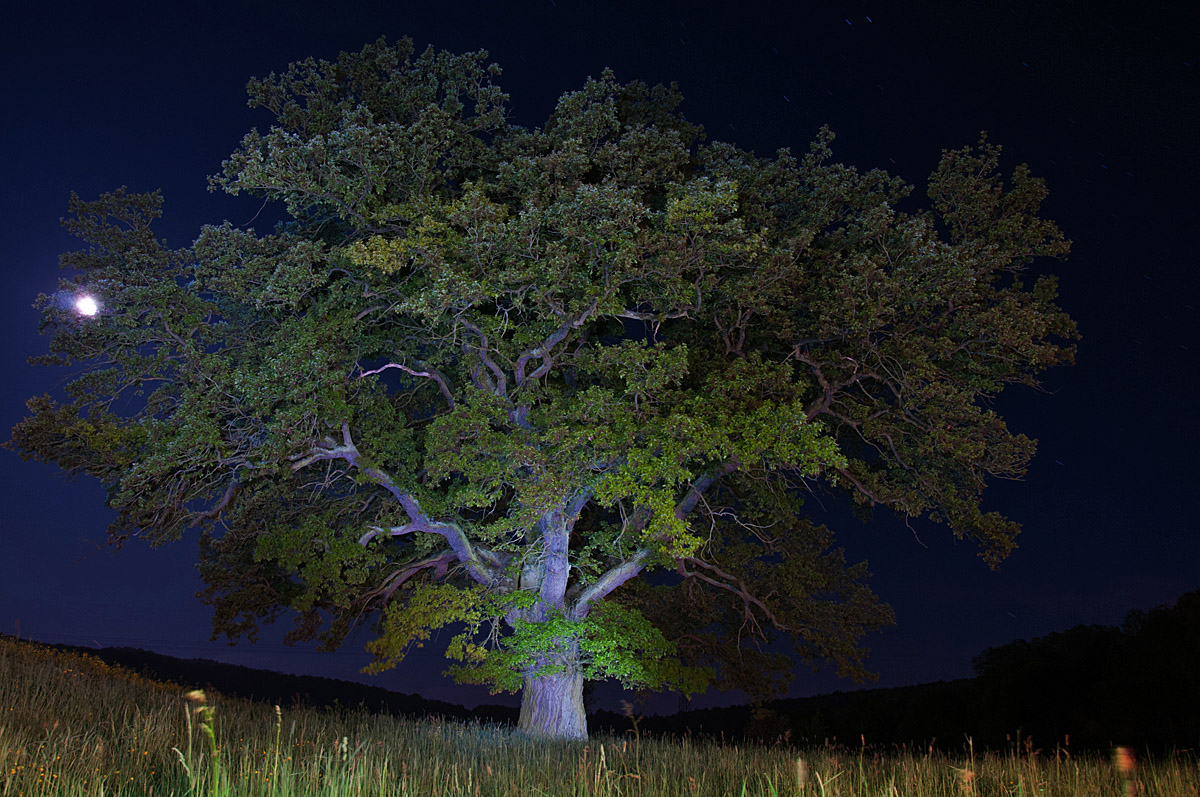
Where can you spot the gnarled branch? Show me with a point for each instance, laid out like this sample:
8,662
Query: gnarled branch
500,386
486,573
428,373
439,562
632,565
542,350
219,507
730,583
390,531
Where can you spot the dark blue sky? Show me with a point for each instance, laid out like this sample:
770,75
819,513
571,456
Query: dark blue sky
1100,101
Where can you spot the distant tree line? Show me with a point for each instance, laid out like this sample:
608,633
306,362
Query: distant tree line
1087,688
1137,684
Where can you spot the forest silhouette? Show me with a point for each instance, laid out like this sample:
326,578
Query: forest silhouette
1087,688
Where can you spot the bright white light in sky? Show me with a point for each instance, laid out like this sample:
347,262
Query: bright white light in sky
86,305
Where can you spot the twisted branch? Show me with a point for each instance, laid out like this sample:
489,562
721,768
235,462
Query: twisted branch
485,572
631,566
430,373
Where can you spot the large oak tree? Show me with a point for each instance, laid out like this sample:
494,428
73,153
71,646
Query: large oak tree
493,377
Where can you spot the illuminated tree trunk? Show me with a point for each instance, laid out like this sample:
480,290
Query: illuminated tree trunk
552,703
552,706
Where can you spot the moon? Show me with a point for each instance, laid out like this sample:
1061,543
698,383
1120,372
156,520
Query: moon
87,305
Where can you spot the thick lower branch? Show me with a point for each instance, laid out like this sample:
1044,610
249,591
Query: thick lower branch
684,507
485,573
633,565
485,554
613,578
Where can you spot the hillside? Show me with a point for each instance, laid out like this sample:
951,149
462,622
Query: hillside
266,686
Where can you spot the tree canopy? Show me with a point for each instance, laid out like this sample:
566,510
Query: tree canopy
490,377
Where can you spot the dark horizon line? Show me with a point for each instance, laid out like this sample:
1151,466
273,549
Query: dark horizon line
75,648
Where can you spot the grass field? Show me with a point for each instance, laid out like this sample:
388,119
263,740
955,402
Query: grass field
73,725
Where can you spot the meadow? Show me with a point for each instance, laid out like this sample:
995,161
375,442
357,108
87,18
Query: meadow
72,725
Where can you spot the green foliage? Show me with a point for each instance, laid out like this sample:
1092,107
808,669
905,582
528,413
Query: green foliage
428,607
613,642
89,442
482,365
332,569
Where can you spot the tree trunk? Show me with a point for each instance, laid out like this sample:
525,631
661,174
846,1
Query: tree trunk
552,706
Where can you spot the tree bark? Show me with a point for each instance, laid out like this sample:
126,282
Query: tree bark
552,706
552,703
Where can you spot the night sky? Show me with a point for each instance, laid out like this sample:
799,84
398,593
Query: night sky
1100,99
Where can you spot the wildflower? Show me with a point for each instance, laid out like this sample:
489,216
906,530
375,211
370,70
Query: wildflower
1123,760
1124,764
966,779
